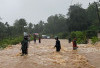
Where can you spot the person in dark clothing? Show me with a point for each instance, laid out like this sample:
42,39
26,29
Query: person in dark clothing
34,38
58,46
39,40
69,40
75,44
24,46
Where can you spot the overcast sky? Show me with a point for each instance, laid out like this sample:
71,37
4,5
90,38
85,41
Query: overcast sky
35,10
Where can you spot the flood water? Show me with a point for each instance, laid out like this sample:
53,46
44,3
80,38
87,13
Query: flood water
44,55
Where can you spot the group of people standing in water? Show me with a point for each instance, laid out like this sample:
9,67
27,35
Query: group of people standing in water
58,45
24,43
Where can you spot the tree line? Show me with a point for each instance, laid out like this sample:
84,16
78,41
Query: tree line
77,19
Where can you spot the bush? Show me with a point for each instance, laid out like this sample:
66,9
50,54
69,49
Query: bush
94,40
10,41
91,33
62,35
81,36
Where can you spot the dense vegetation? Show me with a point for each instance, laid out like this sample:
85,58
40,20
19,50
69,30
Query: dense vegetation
83,23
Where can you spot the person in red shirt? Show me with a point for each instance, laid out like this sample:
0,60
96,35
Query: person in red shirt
75,44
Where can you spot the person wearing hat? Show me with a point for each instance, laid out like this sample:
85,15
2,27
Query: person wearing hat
58,46
24,46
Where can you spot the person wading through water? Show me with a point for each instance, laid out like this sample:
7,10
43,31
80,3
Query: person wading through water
34,38
58,46
75,44
39,39
24,46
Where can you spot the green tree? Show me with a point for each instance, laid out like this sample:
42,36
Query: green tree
92,16
2,30
56,24
30,28
77,17
19,26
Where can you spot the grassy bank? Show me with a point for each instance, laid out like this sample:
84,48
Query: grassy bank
10,41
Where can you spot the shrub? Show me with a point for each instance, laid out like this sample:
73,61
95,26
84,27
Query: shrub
62,35
81,36
94,40
91,33
10,41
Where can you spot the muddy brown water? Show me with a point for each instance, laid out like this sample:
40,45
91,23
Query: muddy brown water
92,53
43,55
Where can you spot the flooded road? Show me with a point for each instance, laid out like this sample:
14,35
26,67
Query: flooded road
44,55
92,53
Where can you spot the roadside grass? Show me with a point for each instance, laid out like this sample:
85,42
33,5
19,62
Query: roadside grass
10,41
